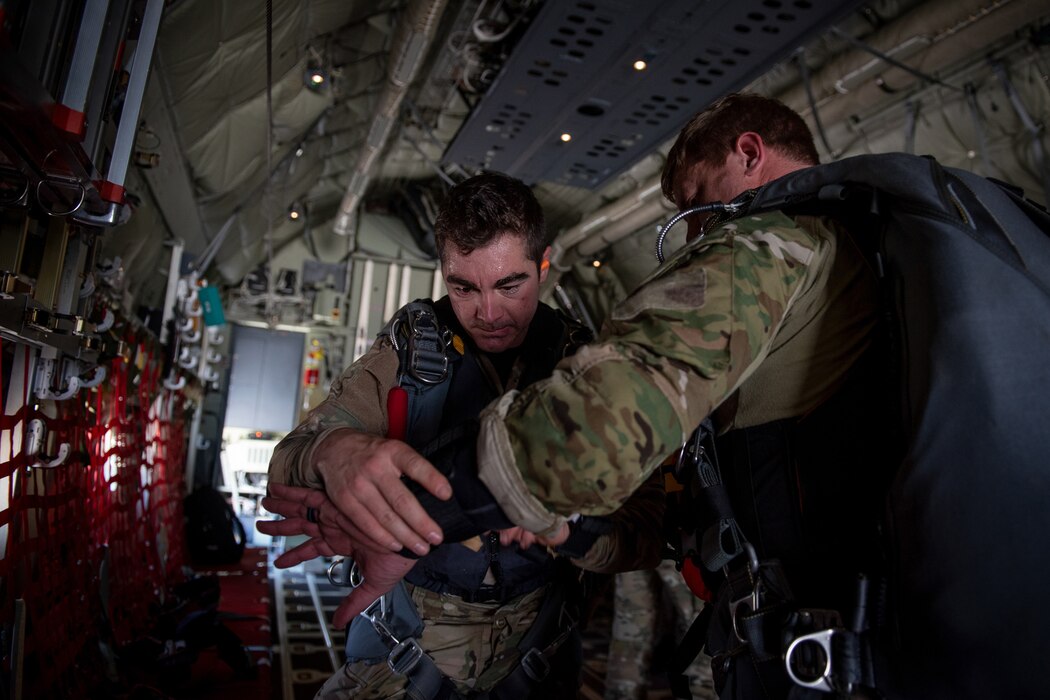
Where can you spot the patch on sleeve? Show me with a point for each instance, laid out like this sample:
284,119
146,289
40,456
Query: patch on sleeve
670,293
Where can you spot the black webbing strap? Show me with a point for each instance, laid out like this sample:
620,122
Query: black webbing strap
721,539
553,624
686,651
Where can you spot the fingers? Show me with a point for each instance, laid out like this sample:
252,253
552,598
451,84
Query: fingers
385,511
311,549
418,469
288,528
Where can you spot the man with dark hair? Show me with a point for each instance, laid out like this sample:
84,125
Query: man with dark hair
491,614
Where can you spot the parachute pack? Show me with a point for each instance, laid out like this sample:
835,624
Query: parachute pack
964,265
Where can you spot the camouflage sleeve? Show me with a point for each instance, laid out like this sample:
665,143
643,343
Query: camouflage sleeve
636,541
584,439
357,400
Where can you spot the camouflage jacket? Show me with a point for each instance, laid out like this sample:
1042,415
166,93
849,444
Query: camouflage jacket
769,312
358,400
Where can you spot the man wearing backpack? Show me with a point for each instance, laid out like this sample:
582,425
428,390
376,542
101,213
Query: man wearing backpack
490,618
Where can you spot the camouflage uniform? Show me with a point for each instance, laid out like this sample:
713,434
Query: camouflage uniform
473,643
769,310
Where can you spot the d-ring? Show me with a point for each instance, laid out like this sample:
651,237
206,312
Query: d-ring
354,577
313,515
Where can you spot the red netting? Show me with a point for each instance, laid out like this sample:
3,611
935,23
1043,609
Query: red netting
91,545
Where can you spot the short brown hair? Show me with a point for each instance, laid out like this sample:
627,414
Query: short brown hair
709,137
486,206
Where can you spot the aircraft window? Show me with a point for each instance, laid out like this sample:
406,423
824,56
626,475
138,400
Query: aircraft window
658,98
785,17
560,74
741,52
773,3
558,42
678,81
701,62
575,19
770,29
803,4
535,73
716,72
714,51
576,54
567,31
682,99
756,16
742,29
552,83
585,42
691,71
586,6
594,31
703,81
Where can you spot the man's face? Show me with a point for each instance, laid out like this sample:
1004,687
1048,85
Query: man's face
706,182
494,291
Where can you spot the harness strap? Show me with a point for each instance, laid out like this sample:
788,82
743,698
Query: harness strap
553,624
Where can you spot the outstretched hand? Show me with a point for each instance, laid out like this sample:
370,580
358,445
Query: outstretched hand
331,534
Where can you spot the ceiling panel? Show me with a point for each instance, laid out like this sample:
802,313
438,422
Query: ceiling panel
573,73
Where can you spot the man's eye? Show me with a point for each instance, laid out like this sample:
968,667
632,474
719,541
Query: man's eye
461,290
511,290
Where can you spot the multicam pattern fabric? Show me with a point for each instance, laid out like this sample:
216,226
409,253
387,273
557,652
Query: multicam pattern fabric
687,339
474,644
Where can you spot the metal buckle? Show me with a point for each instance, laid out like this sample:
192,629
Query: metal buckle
404,656
420,322
535,665
822,639
751,602
354,577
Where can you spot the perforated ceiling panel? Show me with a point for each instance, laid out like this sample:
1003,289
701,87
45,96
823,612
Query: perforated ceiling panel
573,72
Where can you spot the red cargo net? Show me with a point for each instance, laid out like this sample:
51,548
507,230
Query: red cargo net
91,545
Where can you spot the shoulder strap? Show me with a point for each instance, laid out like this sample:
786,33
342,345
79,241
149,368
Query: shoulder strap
425,366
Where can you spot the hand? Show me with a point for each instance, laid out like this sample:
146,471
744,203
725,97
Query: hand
557,538
332,534
381,571
362,477
523,537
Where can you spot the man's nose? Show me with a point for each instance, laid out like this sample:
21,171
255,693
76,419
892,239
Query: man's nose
489,309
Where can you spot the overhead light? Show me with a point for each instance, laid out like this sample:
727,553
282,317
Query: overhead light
640,65
316,77
296,211
299,151
566,137
596,262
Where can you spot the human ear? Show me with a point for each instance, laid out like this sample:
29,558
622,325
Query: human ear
751,150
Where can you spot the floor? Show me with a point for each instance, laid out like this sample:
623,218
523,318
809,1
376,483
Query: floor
307,650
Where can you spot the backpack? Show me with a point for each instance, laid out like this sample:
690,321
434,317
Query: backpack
964,268
214,533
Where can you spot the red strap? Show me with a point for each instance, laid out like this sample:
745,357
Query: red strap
695,581
397,413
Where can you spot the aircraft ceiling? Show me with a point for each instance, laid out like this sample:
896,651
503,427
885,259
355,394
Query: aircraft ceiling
419,94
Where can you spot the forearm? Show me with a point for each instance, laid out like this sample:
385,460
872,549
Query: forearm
585,439
357,402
